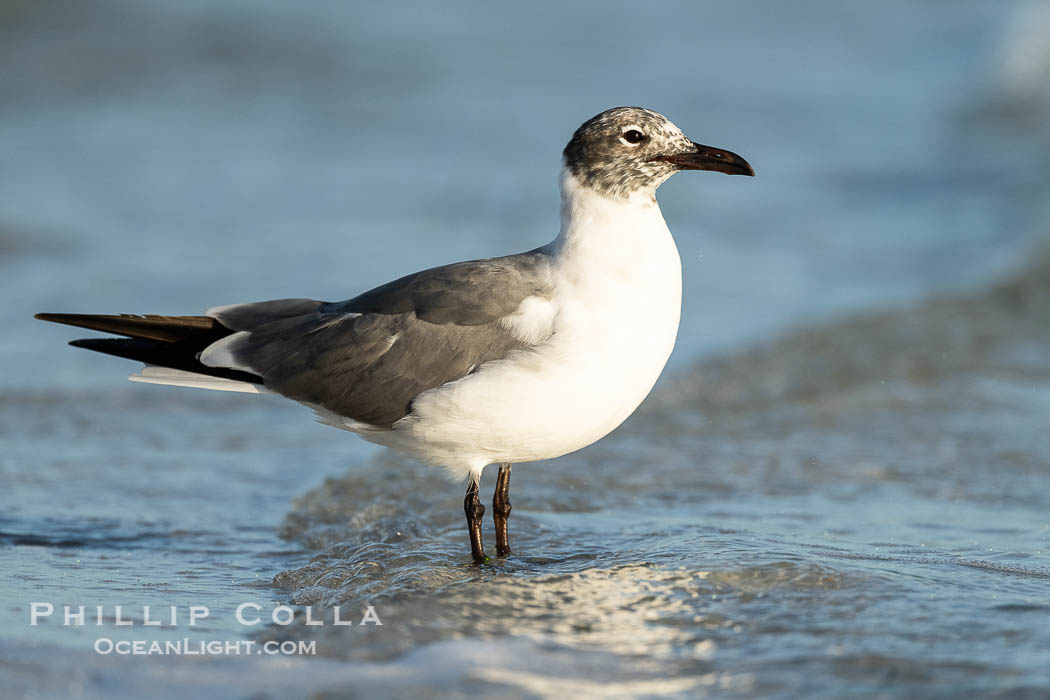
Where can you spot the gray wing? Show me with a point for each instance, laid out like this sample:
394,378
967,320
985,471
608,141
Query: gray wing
367,358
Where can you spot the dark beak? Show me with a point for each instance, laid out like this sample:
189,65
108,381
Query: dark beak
709,158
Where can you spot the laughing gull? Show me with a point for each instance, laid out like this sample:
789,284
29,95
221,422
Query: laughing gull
496,361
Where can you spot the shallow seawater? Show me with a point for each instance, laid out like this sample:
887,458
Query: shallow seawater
830,512
840,488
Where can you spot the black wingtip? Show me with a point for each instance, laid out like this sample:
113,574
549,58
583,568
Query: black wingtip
68,319
164,354
169,329
107,345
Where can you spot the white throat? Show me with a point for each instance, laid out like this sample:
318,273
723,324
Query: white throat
605,236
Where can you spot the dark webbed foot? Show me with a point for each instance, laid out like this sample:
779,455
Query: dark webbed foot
501,509
475,512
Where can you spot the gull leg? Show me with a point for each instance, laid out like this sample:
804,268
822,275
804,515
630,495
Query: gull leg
501,509
475,512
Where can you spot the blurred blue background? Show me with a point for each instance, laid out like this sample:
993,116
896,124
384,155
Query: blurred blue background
839,487
166,157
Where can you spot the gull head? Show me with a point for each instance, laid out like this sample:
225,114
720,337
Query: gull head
629,151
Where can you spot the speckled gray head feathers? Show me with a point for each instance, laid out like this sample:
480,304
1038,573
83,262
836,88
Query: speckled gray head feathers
627,150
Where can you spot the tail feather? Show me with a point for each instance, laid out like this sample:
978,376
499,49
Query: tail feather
151,374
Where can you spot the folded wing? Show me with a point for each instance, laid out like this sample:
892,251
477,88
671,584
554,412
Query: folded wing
368,358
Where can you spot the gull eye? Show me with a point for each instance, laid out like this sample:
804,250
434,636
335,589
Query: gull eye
633,136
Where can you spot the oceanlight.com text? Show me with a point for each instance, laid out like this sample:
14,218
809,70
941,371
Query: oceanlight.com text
211,647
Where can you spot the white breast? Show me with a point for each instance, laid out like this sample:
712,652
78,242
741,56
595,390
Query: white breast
610,325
